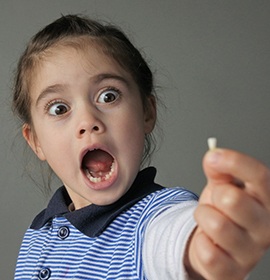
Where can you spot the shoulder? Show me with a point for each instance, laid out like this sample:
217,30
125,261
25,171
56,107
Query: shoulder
171,196
176,193
159,201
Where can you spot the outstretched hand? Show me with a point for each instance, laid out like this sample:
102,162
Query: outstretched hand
233,217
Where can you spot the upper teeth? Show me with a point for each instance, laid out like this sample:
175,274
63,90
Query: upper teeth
99,179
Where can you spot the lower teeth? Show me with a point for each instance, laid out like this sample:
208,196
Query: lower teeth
101,178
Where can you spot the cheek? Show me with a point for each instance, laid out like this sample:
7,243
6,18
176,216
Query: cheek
51,142
133,133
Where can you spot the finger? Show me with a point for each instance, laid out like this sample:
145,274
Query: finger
232,239
224,166
244,211
212,262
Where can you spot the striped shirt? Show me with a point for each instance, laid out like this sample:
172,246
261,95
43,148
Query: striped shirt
95,242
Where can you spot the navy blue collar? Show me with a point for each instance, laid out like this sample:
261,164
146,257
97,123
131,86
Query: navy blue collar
93,219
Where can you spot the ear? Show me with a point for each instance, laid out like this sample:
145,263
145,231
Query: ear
30,137
150,115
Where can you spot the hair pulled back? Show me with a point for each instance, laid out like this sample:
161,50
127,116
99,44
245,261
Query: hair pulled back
110,39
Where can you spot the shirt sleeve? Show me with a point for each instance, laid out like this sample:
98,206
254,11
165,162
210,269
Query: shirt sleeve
165,241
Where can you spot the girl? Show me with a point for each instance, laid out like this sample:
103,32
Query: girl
85,97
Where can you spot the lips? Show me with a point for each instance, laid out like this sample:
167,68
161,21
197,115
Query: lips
98,165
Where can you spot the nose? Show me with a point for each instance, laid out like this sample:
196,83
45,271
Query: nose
89,122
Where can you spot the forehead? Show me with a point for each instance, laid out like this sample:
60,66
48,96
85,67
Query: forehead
61,60
92,52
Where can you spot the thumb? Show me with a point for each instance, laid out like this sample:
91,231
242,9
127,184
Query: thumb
215,175
213,166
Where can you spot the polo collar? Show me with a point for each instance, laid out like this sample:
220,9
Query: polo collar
92,220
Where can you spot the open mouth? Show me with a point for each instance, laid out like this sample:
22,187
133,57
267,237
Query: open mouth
98,165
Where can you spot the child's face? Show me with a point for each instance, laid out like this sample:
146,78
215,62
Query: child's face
88,123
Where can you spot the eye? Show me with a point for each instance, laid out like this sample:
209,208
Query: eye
108,96
57,108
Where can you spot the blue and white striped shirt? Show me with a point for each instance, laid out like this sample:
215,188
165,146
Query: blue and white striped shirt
96,242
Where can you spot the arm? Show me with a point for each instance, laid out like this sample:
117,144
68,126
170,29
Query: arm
165,242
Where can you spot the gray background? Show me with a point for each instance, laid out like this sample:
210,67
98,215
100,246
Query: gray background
212,63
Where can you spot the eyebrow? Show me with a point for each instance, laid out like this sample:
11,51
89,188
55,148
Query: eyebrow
60,88
57,88
107,76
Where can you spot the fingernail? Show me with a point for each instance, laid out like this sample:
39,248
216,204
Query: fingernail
213,156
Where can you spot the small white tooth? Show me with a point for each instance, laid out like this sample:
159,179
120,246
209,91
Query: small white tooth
112,168
89,176
212,143
95,180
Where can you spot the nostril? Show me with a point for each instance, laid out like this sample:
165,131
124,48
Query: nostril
95,128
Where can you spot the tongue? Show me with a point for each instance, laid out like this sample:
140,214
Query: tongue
98,161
